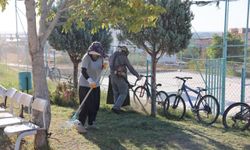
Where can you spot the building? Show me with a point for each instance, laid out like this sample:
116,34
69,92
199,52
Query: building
241,32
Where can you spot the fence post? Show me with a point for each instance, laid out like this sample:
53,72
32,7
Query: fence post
243,73
242,94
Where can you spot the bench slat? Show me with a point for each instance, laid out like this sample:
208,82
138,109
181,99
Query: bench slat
10,121
5,115
16,129
2,109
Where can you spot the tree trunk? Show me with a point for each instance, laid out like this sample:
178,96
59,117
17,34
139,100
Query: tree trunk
38,72
75,75
41,90
153,83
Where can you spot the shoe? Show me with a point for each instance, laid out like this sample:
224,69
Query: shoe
80,128
117,111
93,126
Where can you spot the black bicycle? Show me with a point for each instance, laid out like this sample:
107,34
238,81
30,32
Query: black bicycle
136,97
237,116
144,94
205,107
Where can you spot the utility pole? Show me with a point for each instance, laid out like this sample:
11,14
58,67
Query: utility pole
224,72
17,37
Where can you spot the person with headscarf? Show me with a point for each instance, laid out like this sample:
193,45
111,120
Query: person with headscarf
118,71
91,68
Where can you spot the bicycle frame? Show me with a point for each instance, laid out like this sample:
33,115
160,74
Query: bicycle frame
184,88
146,84
131,86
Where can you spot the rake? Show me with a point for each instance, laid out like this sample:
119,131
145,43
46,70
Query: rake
74,118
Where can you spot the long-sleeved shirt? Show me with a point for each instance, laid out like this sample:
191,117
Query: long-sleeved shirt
120,58
93,70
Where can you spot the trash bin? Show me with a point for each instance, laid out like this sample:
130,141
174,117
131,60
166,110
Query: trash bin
25,82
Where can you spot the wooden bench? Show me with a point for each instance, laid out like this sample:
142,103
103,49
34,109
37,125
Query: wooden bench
28,128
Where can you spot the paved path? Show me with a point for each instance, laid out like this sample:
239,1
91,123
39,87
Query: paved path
170,84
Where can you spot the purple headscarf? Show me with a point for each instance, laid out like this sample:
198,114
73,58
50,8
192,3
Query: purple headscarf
97,47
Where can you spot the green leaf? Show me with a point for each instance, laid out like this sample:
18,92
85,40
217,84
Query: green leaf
3,4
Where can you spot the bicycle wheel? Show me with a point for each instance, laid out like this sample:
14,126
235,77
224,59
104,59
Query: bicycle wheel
174,107
208,109
141,94
236,116
161,96
55,74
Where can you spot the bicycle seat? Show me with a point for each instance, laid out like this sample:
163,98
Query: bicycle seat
200,89
183,78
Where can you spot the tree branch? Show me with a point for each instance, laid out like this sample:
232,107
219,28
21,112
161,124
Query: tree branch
53,23
50,4
42,22
71,3
159,56
146,48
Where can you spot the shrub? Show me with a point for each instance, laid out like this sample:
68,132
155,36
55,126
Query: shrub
64,95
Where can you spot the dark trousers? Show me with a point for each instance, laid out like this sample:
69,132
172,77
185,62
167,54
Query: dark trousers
91,105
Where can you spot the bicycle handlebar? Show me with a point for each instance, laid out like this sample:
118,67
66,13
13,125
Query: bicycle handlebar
132,85
146,76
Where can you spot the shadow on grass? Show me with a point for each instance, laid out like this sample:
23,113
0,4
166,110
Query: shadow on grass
5,143
247,147
210,140
132,130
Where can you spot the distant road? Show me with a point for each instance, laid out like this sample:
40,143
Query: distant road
170,84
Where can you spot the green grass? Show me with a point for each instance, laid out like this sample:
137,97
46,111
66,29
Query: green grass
8,77
134,130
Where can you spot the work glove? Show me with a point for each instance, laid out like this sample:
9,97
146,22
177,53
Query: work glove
92,83
105,65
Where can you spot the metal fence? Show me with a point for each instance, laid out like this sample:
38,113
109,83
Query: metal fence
167,68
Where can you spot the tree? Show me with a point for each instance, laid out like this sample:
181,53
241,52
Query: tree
106,15
76,42
190,53
3,4
171,34
235,47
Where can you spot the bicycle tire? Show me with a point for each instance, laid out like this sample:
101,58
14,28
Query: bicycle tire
208,109
55,74
141,94
174,112
236,116
161,96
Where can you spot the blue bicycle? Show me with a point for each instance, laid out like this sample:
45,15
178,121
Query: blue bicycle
205,107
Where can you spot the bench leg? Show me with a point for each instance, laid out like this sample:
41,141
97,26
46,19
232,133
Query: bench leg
20,136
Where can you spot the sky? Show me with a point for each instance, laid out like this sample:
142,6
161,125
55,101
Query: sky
207,18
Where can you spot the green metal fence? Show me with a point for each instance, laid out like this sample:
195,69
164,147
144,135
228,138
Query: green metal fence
213,82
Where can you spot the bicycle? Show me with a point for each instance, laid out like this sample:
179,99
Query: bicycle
175,107
237,116
53,73
145,94
136,97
